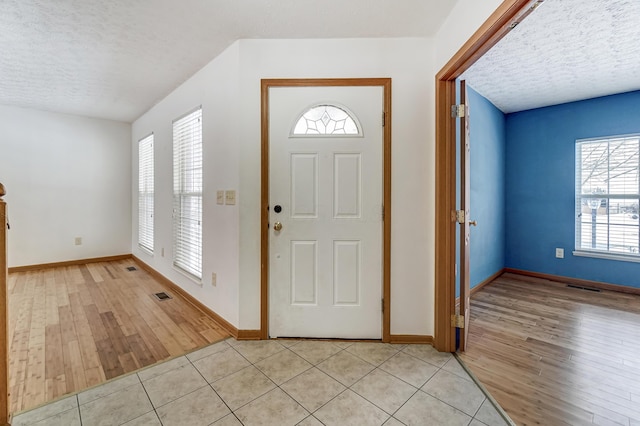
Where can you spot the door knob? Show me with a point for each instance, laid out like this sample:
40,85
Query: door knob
473,223
277,226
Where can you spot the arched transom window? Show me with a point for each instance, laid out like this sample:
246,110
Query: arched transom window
327,120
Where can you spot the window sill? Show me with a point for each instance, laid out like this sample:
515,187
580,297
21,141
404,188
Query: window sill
608,256
197,281
145,250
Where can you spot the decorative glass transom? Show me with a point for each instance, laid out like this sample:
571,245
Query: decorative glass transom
327,120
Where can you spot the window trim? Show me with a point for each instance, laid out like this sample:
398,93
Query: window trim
600,253
350,113
148,232
179,193
607,255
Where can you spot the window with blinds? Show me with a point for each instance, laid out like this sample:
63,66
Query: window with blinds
187,193
145,193
608,195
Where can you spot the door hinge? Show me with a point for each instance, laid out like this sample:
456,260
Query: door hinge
382,303
458,216
457,321
383,212
458,111
384,118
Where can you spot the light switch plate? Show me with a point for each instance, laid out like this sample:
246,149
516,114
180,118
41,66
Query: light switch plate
220,197
230,197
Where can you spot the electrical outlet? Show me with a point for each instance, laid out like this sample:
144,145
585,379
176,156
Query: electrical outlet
220,197
162,252
230,197
214,279
78,241
560,253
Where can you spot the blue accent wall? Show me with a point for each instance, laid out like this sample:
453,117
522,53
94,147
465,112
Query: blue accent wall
540,185
487,129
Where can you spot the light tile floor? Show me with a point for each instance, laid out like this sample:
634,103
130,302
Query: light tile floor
284,382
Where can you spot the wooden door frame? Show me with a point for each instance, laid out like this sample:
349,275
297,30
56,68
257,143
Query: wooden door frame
465,201
5,413
503,19
267,84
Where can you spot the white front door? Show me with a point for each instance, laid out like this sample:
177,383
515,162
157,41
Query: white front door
325,192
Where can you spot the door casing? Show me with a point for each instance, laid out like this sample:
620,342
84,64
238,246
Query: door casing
465,200
266,84
498,25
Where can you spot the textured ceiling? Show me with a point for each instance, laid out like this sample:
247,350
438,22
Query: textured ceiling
114,59
566,50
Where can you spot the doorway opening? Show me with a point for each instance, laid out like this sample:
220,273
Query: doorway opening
506,17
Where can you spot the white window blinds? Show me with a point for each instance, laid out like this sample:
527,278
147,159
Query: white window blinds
607,195
187,193
145,193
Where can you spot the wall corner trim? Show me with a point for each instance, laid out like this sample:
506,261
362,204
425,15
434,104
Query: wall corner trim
411,339
561,280
69,263
249,335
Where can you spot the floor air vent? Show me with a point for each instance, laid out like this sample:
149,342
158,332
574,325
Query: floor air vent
597,290
131,268
162,296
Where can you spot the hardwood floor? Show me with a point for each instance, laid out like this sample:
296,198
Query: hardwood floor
74,327
553,355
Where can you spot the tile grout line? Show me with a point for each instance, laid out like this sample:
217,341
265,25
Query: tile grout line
149,398
392,375
252,364
311,414
79,412
315,366
212,388
418,389
486,393
346,387
279,386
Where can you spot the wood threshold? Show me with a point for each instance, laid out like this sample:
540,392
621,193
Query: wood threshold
489,33
562,280
266,84
69,263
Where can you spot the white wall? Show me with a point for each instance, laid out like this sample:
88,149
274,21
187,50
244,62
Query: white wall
229,91
409,62
464,19
215,87
66,176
